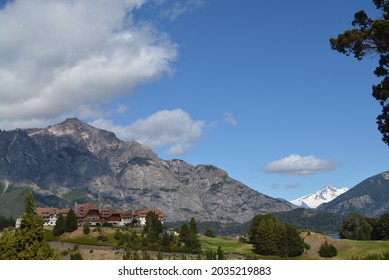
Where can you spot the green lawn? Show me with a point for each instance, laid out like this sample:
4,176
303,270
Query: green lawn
229,246
348,249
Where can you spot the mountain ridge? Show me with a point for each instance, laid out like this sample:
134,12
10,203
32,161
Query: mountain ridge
370,198
75,162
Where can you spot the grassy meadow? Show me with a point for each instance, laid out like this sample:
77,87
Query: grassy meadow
233,249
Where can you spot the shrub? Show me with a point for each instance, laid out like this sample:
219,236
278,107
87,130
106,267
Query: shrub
76,256
209,233
327,250
102,238
86,229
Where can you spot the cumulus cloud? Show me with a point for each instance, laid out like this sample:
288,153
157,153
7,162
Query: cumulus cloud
297,165
174,129
59,56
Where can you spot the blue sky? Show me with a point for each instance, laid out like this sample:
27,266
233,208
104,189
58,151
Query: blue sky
252,87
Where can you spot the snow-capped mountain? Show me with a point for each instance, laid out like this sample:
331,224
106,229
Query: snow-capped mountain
323,195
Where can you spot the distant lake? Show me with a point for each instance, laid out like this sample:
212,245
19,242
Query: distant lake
334,235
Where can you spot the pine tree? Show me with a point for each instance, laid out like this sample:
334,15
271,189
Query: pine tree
272,238
220,253
189,238
268,232
193,225
71,221
370,37
60,226
28,242
294,244
153,227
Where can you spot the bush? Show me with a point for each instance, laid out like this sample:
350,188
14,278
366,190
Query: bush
209,233
76,256
327,250
242,239
86,229
102,238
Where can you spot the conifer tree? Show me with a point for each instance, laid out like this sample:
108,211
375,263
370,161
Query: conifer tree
193,225
71,221
270,237
60,226
370,37
153,227
28,241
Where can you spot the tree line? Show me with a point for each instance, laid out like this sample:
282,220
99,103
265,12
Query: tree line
6,222
358,227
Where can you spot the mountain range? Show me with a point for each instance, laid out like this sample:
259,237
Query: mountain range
319,197
75,162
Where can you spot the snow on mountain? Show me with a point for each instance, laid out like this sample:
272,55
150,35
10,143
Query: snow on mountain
323,195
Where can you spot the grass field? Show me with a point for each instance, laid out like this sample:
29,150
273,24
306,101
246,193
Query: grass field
233,249
350,249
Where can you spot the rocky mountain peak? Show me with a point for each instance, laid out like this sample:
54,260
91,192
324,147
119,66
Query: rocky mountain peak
319,197
94,139
76,162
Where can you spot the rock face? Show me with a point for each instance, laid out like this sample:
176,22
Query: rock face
75,162
369,198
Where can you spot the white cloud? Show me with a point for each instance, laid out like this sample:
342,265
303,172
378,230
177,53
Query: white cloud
121,109
175,9
174,129
61,55
229,118
297,165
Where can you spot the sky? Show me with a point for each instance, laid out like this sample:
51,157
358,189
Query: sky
250,86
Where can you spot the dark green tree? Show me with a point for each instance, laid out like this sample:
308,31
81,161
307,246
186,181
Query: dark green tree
6,222
381,228
71,221
153,227
371,38
193,225
166,240
274,238
252,231
290,243
356,227
267,237
60,226
220,253
189,238
28,241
